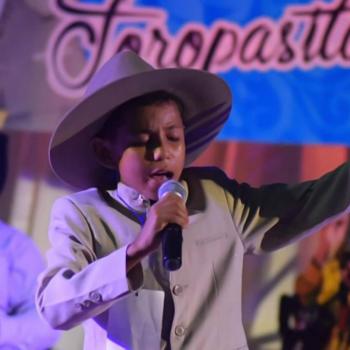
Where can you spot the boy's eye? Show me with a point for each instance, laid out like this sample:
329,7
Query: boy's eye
173,137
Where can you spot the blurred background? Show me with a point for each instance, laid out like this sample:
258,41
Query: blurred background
285,60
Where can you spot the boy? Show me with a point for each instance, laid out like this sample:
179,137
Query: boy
136,128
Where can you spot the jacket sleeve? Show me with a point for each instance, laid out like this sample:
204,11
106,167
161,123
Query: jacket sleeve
77,284
272,216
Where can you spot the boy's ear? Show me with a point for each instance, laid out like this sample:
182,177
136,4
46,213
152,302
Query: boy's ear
103,153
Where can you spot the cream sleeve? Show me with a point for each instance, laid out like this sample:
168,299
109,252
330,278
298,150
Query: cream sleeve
76,284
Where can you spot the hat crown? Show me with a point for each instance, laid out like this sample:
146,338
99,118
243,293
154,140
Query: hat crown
124,65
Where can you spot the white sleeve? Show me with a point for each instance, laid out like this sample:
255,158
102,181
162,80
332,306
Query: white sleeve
20,325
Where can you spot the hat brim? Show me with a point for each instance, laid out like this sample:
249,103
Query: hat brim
207,103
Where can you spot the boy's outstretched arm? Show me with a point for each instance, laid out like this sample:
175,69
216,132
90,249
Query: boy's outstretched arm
274,215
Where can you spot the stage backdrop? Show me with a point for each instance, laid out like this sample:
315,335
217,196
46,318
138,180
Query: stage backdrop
286,61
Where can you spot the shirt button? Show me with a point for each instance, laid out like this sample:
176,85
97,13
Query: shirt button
179,331
87,304
177,289
95,297
78,306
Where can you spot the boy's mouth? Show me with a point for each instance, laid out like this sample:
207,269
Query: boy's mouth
162,174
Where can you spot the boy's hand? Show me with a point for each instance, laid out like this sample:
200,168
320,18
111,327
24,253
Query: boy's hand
169,209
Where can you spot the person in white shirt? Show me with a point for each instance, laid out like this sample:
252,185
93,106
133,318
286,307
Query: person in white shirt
21,327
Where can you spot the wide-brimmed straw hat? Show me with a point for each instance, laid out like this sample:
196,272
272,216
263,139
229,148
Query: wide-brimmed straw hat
206,98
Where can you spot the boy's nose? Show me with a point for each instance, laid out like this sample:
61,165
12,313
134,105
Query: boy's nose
159,153
159,148
162,150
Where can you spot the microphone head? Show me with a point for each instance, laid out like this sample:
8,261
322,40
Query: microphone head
172,186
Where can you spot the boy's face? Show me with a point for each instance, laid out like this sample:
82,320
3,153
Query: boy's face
150,147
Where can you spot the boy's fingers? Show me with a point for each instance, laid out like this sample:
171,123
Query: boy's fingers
170,198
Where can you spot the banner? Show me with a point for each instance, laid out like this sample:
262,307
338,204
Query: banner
287,63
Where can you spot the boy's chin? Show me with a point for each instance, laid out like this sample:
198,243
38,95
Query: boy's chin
152,194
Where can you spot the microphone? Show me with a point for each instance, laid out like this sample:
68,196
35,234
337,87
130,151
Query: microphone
172,233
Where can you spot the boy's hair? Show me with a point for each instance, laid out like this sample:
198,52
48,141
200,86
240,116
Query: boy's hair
157,97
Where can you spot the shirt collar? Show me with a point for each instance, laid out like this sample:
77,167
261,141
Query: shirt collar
131,198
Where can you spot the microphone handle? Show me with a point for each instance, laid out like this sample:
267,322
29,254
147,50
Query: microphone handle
172,247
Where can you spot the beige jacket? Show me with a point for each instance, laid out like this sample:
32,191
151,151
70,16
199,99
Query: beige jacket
85,279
